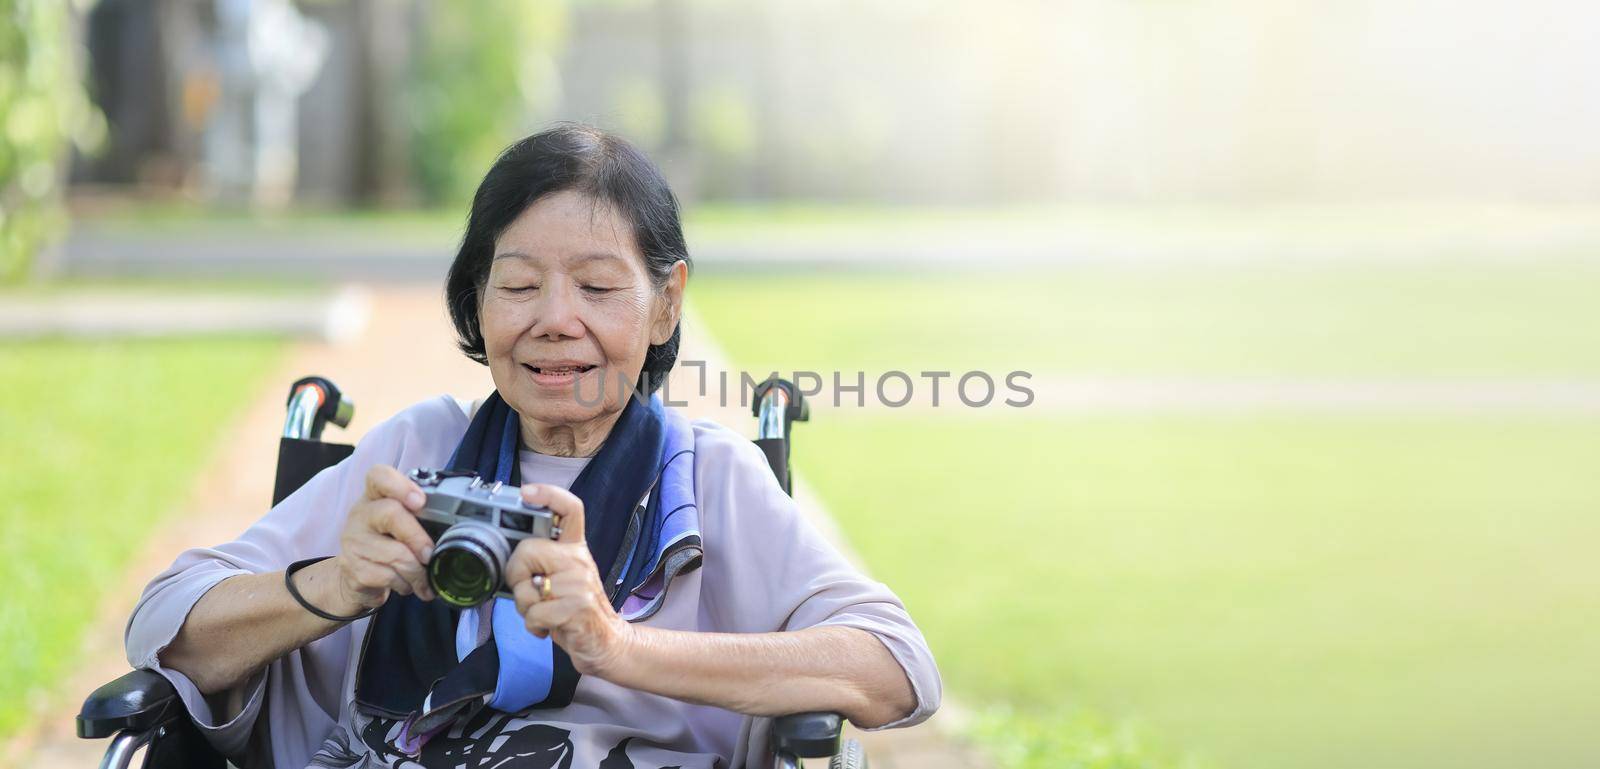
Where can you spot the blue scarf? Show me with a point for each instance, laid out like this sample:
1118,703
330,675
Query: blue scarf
431,664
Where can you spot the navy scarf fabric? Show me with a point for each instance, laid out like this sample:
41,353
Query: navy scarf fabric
424,662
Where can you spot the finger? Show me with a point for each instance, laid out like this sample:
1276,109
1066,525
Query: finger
561,502
372,575
519,567
525,595
405,563
388,517
548,616
583,580
582,586
564,612
398,583
394,566
533,556
385,482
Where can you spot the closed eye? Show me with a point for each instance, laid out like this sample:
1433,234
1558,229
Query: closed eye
518,289
598,289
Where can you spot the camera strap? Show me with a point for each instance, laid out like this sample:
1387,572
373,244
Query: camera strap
412,665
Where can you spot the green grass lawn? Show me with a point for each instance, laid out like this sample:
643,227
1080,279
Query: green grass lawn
1292,591
1308,321
1272,593
98,441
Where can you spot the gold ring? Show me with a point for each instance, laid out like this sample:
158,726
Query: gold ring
544,584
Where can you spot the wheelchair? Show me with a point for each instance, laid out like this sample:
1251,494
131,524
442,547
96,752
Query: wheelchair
142,710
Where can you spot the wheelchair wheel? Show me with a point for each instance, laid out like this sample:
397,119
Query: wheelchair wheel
850,756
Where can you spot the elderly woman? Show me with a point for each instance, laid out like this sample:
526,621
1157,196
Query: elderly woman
684,599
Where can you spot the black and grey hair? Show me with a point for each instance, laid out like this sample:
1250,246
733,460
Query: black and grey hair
581,158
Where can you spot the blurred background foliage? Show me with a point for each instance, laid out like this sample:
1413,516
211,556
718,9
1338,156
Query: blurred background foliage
478,82
43,111
400,102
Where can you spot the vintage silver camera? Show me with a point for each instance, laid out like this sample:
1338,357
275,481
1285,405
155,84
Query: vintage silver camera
474,526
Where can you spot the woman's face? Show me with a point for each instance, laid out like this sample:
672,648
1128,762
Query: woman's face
569,312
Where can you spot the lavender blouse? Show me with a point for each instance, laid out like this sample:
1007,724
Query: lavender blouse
765,569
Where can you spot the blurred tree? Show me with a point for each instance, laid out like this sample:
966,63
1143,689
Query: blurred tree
672,27
724,131
43,110
485,75
641,115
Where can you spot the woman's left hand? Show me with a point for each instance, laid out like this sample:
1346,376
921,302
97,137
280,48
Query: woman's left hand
570,604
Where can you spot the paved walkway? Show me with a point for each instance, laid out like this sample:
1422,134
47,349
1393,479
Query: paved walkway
405,354
406,249
334,316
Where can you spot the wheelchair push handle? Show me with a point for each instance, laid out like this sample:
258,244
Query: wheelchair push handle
313,403
778,405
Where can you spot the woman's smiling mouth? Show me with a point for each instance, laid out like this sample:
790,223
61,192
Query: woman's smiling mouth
557,373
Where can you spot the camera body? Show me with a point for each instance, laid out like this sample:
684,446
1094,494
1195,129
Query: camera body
475,526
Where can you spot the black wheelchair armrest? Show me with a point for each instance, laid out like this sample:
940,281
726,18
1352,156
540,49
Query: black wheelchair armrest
807,735
137,701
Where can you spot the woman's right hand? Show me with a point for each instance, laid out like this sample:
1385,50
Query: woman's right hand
383,547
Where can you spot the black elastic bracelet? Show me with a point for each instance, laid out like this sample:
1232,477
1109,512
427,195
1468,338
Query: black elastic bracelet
288,581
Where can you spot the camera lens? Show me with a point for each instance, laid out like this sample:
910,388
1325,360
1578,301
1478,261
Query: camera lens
466,566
